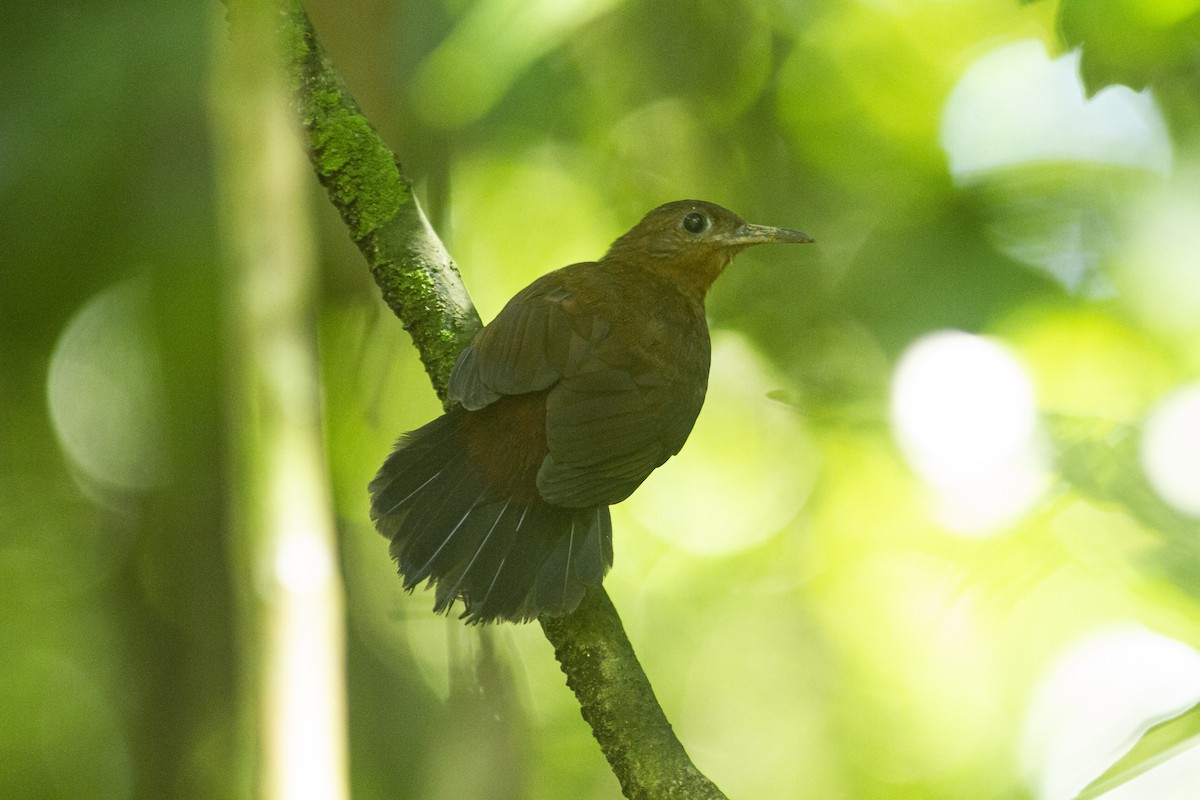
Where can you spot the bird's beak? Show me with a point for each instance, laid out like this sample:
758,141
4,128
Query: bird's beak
748,234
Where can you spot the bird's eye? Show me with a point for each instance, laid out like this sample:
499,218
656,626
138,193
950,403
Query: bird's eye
694,222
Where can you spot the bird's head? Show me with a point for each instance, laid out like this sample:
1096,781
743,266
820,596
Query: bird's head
691,242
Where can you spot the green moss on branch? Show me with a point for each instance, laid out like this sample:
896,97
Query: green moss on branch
416,276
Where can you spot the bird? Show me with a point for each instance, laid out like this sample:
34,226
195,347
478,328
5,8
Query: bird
588,380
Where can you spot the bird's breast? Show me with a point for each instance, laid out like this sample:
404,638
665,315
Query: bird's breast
675,340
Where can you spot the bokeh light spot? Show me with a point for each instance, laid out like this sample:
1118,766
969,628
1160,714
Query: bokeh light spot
964,414
303,564
1170,450
1016,105
105,391
1094,703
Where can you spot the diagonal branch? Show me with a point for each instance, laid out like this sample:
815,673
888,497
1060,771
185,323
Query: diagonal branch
422,286
618,702
365,182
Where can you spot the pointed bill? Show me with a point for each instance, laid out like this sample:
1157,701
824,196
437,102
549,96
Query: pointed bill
748,234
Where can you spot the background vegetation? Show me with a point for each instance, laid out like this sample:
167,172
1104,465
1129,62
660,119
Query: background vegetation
835,595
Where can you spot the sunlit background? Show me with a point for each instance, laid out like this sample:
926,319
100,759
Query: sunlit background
936,533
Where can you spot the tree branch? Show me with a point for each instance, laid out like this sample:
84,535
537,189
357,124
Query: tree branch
422,286
367,185
618,702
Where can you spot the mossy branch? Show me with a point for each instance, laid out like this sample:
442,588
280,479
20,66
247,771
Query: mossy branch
619,704
365,182
422,286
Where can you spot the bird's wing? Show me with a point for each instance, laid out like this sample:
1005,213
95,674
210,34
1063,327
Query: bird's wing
607,429
542,334
611,416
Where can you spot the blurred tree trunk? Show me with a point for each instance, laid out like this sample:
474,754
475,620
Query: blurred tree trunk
285,559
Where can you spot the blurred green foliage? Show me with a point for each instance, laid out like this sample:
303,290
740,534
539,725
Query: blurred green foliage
842,643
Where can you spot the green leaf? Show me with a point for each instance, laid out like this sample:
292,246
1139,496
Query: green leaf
1158,745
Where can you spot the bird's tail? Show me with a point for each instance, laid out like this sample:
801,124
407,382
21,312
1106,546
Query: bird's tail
507,552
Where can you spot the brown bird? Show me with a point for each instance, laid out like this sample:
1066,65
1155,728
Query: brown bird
587,380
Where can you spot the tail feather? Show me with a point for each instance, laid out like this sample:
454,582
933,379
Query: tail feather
436,555
473,577
439,525
575,561
508,554
402,478
595,554
556,586
496,590
512,594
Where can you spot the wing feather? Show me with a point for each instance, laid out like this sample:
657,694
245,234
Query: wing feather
613,413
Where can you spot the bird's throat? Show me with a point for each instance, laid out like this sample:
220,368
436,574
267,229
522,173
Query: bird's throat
697,273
